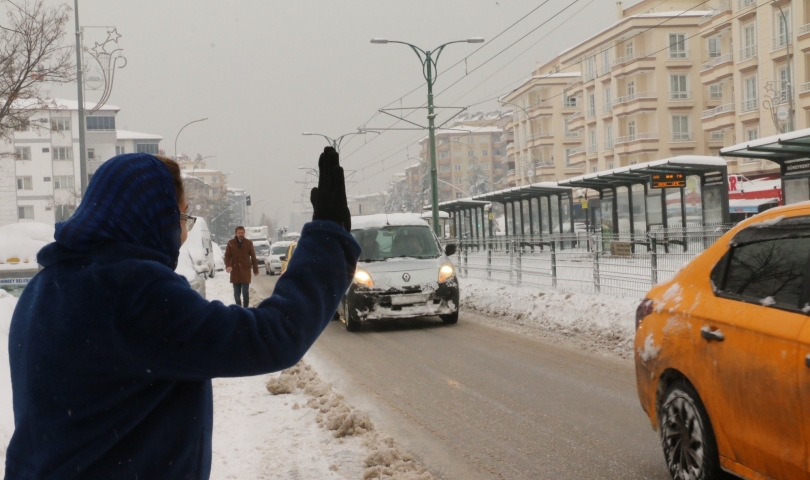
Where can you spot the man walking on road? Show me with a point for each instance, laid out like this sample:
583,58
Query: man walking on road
239,256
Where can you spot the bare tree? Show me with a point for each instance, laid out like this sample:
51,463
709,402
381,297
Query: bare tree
32,52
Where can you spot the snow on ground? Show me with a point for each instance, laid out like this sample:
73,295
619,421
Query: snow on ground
293,425
591,321
20,243
7,304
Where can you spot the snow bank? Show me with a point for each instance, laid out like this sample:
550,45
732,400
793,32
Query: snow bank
7,304
20,243
599,320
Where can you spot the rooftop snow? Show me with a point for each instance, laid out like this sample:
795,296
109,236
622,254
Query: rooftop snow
767,140
681,160
62,104
127,135
383,220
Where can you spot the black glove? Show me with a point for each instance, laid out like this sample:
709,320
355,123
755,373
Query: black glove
329,197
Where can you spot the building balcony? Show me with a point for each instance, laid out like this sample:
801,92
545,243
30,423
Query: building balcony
678,55
722,7
636,102
576,156
541,139
576,121
510,149
682,140
780,42
632,63
746,4
680,100
609,144
636,143
748,57
718,118
749,105
717,68
572,138
803,38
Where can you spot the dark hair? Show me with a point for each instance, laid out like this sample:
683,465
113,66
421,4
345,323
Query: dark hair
174,168
240,227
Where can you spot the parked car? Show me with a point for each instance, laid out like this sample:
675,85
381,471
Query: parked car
272,264
193,272
219,260
262,249
285,259
722,353
402,272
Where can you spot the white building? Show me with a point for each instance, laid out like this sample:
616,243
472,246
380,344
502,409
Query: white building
40,181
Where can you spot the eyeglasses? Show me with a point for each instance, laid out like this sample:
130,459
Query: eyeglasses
189,220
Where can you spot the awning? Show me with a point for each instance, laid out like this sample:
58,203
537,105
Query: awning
522,193
461,204
641,173
429,214
776,148
749,205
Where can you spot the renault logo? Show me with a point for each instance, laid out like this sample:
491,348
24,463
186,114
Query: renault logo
406,277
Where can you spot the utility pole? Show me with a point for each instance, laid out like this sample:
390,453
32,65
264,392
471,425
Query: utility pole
82,149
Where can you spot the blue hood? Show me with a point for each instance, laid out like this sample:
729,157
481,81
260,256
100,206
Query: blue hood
130,200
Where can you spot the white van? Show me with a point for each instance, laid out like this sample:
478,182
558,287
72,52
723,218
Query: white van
272,264
200,247
402,272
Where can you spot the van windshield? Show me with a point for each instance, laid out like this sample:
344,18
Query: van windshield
279,250
380,244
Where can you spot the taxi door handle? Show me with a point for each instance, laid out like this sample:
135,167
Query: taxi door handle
710,334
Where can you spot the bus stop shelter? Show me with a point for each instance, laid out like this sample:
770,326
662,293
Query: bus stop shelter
466,217
791,151
674,192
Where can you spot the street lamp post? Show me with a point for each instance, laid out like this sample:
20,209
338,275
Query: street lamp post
79,80
335,142
429,64
197,162
176,157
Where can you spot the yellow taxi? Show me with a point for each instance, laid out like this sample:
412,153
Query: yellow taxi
722,353
285,259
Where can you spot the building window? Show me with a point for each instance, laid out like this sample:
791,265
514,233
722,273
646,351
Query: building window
150,148
60,124
680,128
592,141
119,150
568,157
569,102
458,194
782,85
91,153
628,49
591,105
444,155
608,105
610,166
605,61
457,153
714,47
470,153
631,130
678,87
62,213
101,123
457,168
25,213
677,45
749,94
752,133
484,153
24,183
782,39
470,139
46,179
62,153
749,42
62,183
608,136
716,136
716,91
631,90
590,68
485,166
22,153
458,181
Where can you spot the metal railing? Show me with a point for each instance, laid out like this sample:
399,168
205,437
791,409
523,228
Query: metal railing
715,61
803,29
745,3
592,149
805,87
678,54
781,41
748,105
572,134
607,107
747,53
635,96
576,151
637,136
629,58
675,96
724,6
609,144
574,116
621,264
728,107
681,136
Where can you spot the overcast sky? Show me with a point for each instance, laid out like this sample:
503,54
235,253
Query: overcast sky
264,71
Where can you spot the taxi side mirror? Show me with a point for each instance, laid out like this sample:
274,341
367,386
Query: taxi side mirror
450,249
283,258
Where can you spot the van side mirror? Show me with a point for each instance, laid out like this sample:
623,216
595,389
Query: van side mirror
283,258
450,249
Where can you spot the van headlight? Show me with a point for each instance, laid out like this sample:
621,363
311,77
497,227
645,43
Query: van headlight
362,277
446,272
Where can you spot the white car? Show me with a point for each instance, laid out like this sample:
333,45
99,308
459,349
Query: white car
272,264
262,249
187,267
219,260
200,247
402,272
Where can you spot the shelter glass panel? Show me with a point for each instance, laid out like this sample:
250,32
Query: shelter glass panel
545,222
555,213
713,204
797,190
639,214
566,213
623,208
535,203
654,213
518,221
674,218
526,223
693,201
607,221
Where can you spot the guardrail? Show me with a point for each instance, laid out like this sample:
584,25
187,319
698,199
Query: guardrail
635,96
637,136
715,61
728,107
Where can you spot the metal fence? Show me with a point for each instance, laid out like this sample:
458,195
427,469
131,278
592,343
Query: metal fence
623,264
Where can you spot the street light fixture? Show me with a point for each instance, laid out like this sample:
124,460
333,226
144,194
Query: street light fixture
429,64
335,142
176,157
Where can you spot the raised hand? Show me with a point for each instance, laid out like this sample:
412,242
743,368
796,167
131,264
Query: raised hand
329,197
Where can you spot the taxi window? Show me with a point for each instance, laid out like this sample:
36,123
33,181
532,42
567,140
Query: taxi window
767,264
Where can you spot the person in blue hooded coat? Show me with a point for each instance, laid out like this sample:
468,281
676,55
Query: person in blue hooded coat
112,353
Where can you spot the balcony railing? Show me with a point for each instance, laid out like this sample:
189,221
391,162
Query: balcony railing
728,107
681,136
608,144
629,58
607,107
805,87
747,53
576,151
804,29
723,6
677,96
715,61
678,54
591,113
537,135
592,149
781,41
634,96
574,116
745,3
637,136
572,134
748,105
716,137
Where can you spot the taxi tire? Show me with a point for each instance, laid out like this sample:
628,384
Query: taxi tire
450,319
352,323
682,414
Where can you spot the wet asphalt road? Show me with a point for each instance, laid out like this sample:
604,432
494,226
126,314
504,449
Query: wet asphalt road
476,402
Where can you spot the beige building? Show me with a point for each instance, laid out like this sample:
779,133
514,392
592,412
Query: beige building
366,203
640,93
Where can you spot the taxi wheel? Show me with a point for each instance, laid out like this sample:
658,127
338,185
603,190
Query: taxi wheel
450,319
687,438
352,322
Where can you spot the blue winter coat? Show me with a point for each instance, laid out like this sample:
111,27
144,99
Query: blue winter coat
112,353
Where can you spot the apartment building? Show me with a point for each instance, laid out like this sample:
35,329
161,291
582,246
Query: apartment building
468,155
366,203
542,141
41,180
640,93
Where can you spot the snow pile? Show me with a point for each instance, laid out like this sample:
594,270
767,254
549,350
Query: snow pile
20,243
385,458
590,320
7,304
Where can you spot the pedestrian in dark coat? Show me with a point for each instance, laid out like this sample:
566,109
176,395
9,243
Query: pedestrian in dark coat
239,257
112,353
